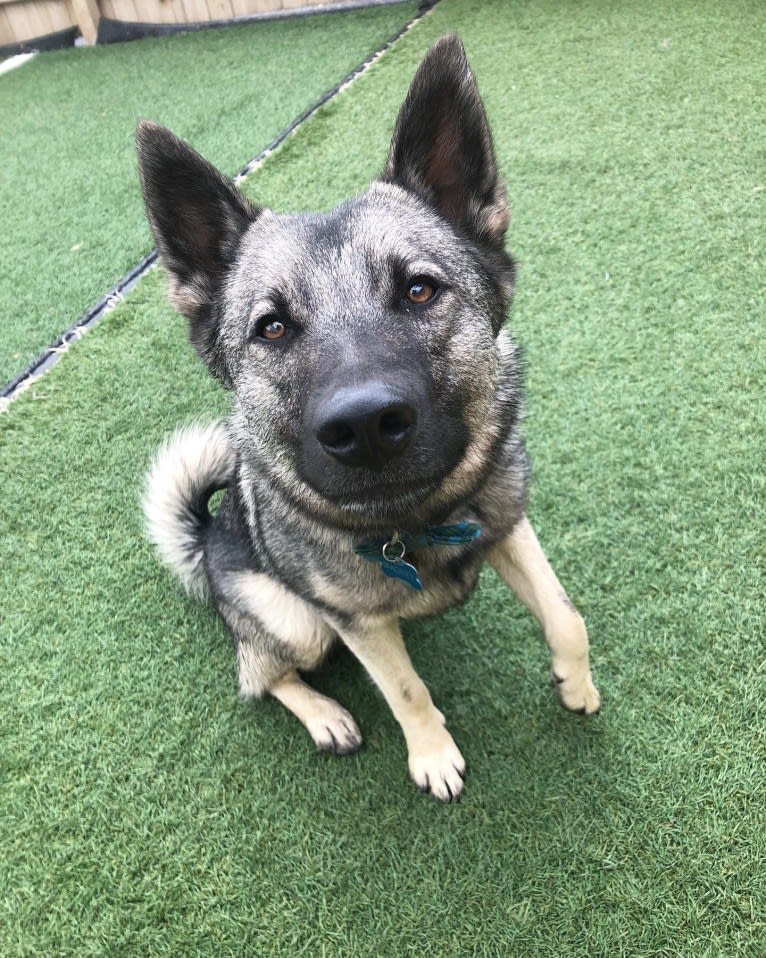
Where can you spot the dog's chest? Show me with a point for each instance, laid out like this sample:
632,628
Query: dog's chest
357,587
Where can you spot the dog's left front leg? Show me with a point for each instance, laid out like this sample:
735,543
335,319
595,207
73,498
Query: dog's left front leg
521,562
435,763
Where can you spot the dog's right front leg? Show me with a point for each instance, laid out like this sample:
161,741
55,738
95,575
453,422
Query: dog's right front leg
435,763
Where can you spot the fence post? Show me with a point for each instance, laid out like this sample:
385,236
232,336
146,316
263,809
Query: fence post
86,15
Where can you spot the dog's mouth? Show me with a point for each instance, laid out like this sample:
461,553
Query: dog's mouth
381,496
366,499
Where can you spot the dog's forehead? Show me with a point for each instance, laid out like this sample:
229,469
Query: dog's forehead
365,237
386,222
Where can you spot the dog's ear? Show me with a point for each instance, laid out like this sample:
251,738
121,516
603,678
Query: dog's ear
442,146
197,217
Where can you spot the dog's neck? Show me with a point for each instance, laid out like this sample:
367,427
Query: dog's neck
390,552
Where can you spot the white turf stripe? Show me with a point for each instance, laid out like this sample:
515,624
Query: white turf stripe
19,60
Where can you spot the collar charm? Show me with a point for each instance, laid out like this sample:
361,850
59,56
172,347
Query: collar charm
390,553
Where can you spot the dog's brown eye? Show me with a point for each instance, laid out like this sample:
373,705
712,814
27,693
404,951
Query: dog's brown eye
421,291
270,328
274,330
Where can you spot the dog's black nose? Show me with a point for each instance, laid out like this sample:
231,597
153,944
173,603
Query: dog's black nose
366,426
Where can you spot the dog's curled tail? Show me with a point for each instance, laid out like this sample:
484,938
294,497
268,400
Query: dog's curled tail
189,467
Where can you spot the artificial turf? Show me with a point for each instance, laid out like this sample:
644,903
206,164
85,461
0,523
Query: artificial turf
146,811
73,221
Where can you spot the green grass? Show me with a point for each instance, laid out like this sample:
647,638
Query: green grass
146,811
73,221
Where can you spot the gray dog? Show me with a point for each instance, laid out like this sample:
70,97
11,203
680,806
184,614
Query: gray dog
373,460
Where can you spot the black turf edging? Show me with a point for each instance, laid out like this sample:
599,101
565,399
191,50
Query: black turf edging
43,44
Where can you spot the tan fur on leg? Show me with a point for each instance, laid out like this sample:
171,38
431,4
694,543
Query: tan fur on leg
521,563
331,727
435,763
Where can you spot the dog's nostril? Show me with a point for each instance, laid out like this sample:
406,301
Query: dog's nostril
337,435
395,424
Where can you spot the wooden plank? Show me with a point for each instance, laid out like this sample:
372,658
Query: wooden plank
22,20
5,3
6,31
221,9
175,9
130,12
119,10
243,8
60,15
23,24
195,11
30,20
151,11
294,4
144,11
37,18
86,15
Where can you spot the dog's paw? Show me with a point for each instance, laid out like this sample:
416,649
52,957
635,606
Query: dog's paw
437,767
576,692
335,731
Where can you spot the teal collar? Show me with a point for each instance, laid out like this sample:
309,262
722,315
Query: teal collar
390,552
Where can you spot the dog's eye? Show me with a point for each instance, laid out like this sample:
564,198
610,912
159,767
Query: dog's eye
421,290
270,328
276,329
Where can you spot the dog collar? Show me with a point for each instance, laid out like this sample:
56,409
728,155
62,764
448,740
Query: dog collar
390,553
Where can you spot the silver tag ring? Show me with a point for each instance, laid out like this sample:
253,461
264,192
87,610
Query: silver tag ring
394,558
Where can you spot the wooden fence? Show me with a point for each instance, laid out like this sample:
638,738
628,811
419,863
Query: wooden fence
22,21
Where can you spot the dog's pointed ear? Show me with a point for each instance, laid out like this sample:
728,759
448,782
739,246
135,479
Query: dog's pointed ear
197,217
442,147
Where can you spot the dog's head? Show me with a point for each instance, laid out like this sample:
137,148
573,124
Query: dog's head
361,344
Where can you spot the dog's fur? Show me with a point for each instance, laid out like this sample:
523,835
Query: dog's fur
343,293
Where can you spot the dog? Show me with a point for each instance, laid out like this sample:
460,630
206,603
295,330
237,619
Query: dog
373,460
